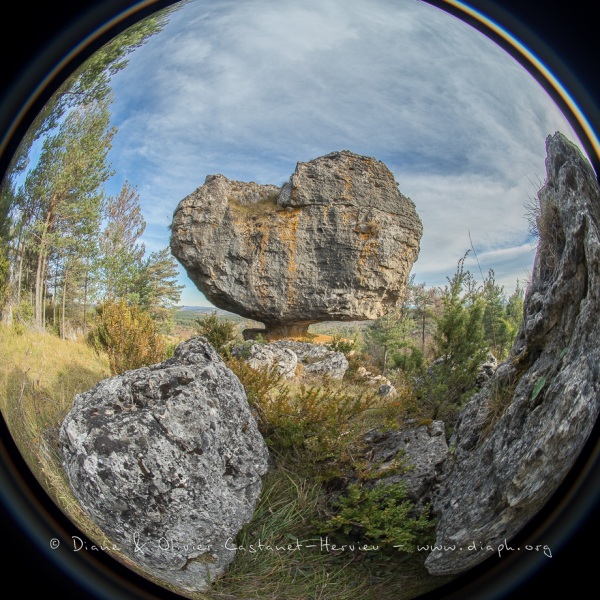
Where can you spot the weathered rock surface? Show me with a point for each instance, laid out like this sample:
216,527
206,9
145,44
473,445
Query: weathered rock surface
267,356
287,355
335,243
167,460
519,436
423,449
316,359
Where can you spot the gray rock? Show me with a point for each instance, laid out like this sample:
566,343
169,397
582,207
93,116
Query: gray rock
335,243
387,389
519,436
422,449
267,356
315,358
167,461
486,369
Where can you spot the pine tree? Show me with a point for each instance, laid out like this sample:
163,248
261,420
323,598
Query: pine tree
72,168
460,347
120,262
159,290
88,86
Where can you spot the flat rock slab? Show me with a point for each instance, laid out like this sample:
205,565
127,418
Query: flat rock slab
167,460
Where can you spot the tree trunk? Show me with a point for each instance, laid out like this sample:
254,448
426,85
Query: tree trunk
40,274
20,254
85,290
64,297
38,286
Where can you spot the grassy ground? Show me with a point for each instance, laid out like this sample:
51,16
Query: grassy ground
39,377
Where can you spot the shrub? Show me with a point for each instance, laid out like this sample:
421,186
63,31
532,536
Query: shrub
461,348
218,332
316,430
22,316
341,344
381,514
129,336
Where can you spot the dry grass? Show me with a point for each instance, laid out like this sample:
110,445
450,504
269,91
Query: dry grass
39,377
285,516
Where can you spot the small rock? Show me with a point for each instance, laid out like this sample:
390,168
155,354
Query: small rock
268,356
387,389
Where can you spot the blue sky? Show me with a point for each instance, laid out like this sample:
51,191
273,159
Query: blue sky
247,89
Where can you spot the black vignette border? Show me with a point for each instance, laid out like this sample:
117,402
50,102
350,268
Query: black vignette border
35,36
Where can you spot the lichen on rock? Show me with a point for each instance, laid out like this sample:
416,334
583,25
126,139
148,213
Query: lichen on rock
517,438
167,460
335,243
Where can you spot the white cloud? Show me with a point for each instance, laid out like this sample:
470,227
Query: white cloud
247,89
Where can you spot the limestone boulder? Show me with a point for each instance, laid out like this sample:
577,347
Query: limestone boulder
167,460
315,359
268,356
519,436
335,243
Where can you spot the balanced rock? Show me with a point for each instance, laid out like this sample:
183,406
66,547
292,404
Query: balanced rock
335,243
167,461
519,436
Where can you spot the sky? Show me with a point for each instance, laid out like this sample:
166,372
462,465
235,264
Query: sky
248,89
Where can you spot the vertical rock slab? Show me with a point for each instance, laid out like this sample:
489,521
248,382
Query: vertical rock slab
167,461
335,243
519,436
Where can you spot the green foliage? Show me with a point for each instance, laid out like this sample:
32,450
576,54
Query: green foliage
129,336
389,333
317,430
342,344
381,514
159,291
460,345
409,360
22,317
259,384
218,332
501,317
159,281
120,262
286,515
53,217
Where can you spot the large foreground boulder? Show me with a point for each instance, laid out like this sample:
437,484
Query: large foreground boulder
167,461
519,436
335,243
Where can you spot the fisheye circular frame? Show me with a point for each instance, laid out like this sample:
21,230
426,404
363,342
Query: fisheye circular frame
32,520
